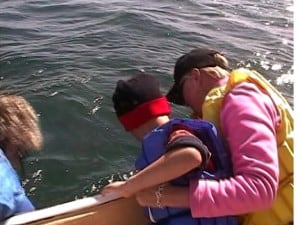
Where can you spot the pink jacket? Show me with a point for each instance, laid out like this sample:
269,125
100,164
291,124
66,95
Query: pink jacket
248,122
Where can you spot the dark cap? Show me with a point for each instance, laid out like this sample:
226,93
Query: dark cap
196,58
138,100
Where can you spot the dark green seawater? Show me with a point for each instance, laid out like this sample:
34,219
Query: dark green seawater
65,57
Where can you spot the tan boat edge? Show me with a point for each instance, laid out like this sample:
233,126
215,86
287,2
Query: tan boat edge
99,209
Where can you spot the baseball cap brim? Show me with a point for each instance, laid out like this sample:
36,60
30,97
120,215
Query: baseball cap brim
175,95
196,58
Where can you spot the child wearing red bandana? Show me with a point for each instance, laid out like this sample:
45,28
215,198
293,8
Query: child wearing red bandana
186,147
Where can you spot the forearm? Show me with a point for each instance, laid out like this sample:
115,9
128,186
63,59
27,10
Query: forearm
169,166
172,196
176,196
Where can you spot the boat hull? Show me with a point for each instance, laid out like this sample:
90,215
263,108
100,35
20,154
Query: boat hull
120,211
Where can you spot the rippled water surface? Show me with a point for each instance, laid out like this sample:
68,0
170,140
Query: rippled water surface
66,56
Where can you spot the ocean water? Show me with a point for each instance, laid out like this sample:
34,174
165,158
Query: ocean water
65,57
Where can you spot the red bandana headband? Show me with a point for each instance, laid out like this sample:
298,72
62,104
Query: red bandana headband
144,113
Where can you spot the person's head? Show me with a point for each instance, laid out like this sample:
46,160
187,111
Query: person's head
195,73
19,128
139,104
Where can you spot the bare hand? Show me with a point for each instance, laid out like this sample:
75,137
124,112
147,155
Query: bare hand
118,187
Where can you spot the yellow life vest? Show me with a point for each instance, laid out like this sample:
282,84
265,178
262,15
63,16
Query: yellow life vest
281,213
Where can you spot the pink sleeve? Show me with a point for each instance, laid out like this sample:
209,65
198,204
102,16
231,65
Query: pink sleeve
248,121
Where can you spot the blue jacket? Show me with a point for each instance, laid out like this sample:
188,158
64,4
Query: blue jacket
153,147
12,195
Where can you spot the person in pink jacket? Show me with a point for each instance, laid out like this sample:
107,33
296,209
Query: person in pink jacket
256,123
